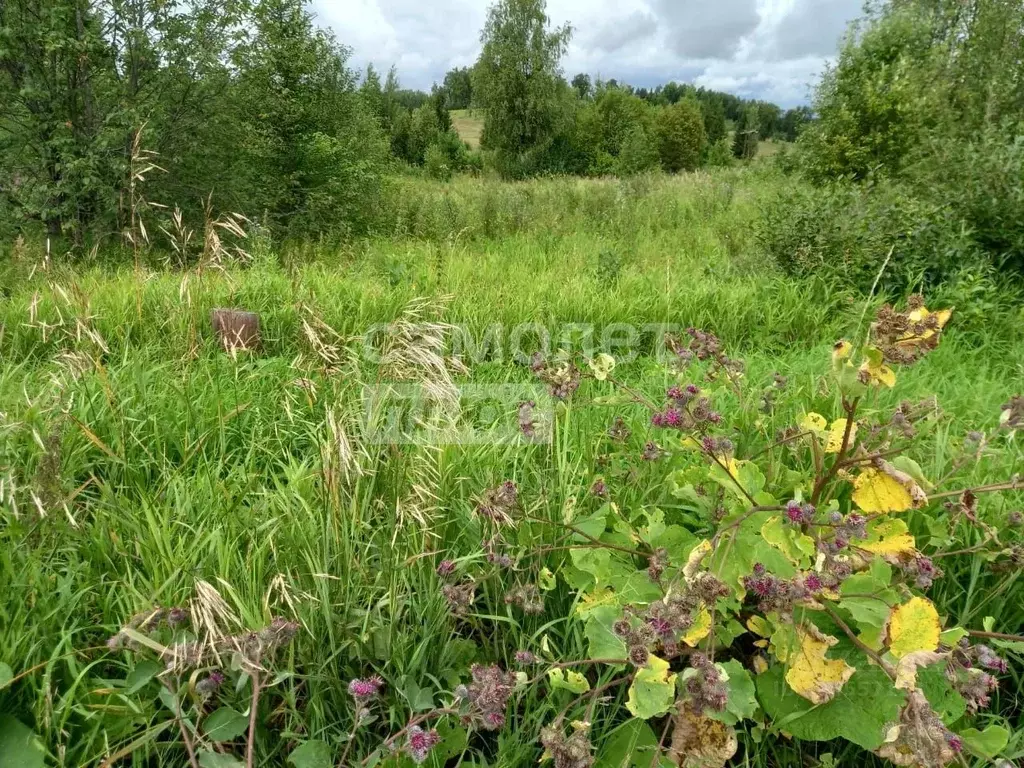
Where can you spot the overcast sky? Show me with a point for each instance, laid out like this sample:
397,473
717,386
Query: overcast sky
770,49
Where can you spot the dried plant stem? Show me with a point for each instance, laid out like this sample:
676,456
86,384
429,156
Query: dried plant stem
411,724
882,663
185,738
250,746
996,636
1012,485
819,486
587,536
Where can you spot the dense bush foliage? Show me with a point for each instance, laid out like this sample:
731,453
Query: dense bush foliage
916,149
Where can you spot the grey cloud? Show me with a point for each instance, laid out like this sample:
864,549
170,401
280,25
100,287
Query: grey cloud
769,50
699,29
616,34
812,28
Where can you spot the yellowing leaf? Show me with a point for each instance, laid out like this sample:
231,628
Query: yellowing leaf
813,676
602,366
877,493
912,341
888,537
840,352
694,560
591,600
759,626
568,679
700,628
913,626
760,665
834,443
653,690
875,371
796,546
813,422
917,495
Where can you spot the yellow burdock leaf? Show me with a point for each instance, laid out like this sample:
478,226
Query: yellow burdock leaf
694,560
813,676
700,628
889,537
913,626
840,352
568,680
881,374
759,626
834,443
760,665
919,316
602,366
877,493
906,669
690,443
917,495
591,600
813,422
875,370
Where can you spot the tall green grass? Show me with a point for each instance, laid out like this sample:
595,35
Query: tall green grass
145,459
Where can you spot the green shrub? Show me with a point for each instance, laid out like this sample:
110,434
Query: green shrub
719,154
681,137
437,163
639,153
845,232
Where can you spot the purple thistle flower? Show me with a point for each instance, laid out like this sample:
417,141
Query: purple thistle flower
990,660
794,512
446,568
661,626
955,743
420,743
365,689
525,657
211,682
813,583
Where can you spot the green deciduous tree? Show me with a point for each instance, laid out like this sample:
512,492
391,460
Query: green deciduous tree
518,84
639,152
581,84
714,119
311,152
681,137
745,142
458,88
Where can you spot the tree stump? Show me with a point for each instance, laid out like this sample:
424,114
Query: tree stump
235,329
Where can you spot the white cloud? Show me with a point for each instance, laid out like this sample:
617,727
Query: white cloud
771,49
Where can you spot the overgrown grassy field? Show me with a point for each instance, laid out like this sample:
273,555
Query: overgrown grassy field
470,125
140,465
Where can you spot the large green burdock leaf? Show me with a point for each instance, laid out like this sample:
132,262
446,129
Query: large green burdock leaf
742,703
604,644
19,745
631,745
944,699
859,713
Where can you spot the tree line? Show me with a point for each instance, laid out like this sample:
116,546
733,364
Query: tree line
112,106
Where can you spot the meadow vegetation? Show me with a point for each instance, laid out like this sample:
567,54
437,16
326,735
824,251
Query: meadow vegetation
588,425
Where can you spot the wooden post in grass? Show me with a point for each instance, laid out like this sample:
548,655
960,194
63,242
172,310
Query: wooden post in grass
235,329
